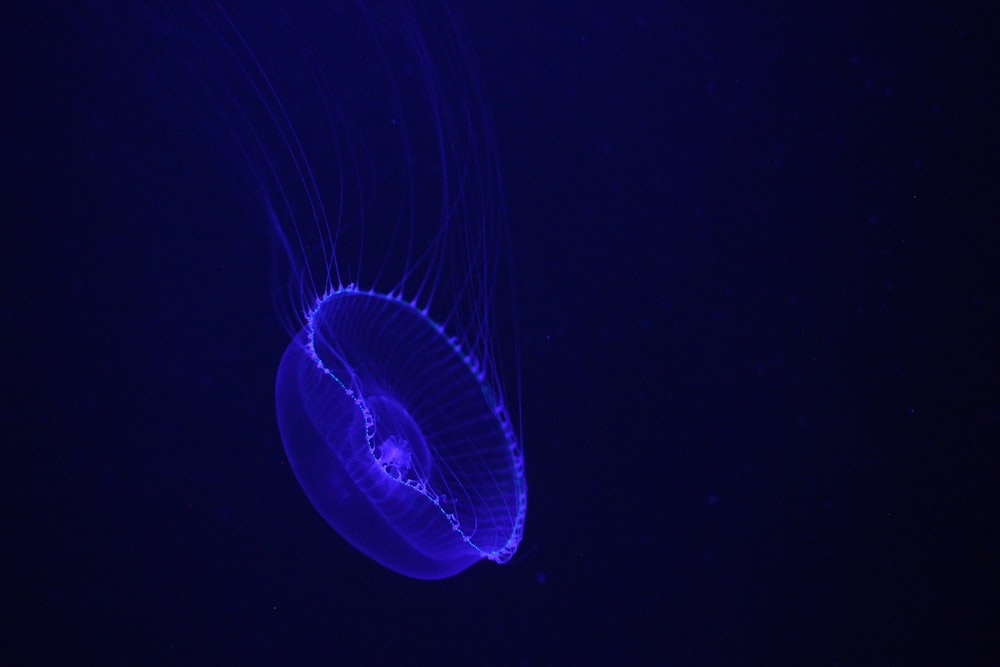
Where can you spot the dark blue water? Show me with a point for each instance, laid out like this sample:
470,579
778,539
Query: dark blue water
758,312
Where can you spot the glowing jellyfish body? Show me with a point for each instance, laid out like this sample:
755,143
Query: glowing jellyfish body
395,438
379,174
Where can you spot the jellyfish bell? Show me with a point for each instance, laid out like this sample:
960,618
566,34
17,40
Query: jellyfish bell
364,133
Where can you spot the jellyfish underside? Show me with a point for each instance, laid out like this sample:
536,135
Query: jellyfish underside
394,440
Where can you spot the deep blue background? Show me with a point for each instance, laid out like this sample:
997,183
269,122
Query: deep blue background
758,280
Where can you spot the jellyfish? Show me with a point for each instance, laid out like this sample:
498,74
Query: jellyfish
363,131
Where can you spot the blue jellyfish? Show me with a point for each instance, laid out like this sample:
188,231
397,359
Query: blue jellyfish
364,131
